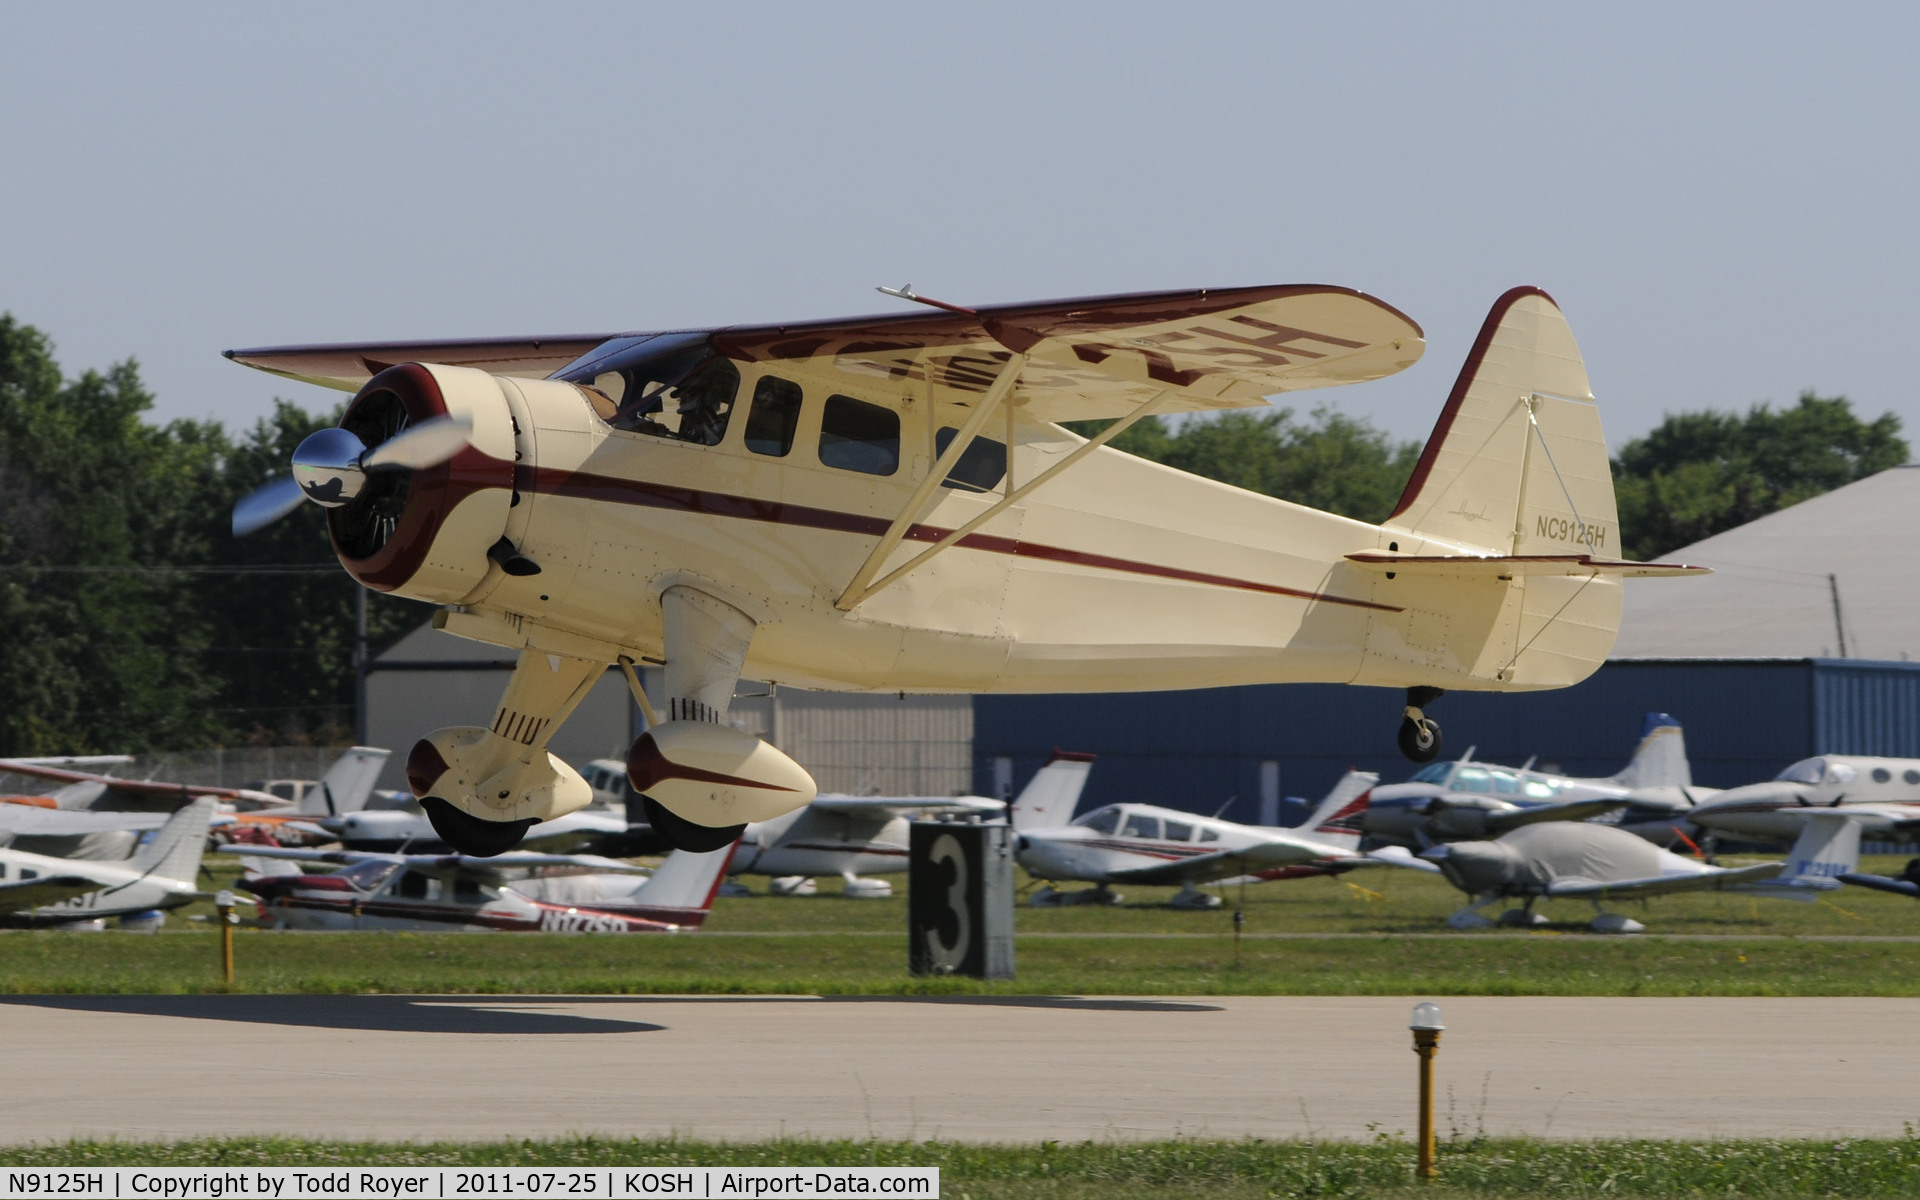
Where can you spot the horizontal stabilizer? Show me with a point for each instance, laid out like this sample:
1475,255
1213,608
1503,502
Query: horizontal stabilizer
1507,566
1661,885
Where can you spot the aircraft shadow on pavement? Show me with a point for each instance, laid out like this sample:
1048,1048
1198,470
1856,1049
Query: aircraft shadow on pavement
391,1014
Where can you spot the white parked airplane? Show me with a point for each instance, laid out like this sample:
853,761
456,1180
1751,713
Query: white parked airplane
890,504
854,836
1650,796
1146,844
39,890
1598,863
408,831
521,891
245,814
1883,794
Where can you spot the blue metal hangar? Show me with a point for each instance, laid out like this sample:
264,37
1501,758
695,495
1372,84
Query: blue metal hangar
1799,644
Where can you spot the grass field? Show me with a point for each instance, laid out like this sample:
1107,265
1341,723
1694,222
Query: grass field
1315,937
1469,1166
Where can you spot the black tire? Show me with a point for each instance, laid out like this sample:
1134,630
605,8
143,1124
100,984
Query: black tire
683,834
471,835
1419,740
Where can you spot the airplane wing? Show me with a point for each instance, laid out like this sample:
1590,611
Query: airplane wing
1575,810
144,792
31,821
446,862
1881,883
898,806
32,893
1223,864
348,365
1087,358
1660,885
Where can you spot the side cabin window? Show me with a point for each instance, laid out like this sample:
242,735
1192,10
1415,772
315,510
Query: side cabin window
773,416
857,436
1179,831
1472,779
1141,826
981,467
1209,835
415,886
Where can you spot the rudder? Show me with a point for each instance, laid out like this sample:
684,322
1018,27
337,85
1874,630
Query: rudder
174,853
1050,797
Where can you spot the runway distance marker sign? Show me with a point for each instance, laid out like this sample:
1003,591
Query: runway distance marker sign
455,1183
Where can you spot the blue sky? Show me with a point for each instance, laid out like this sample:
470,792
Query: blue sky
1721,196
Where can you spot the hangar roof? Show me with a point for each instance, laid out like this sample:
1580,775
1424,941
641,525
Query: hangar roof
1770,597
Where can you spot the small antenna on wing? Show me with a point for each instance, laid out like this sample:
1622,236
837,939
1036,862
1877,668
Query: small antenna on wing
905,292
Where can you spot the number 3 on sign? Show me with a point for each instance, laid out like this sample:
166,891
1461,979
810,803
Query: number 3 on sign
946,848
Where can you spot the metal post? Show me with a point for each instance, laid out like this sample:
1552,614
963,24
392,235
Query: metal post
1426,1028
359,664
1839,626
223,905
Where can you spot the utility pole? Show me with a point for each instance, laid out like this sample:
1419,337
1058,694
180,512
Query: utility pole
359,663
1839,627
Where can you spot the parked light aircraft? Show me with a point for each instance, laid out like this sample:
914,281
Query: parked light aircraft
581,831
1466,799
36,889
246,814
1145,844
852,836
1883,794
523,892
1598,863
889,503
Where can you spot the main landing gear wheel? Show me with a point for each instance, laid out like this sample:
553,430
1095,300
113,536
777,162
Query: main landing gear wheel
1419,733
470,835
684,834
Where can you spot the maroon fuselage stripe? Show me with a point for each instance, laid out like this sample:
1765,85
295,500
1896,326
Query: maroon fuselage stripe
609,489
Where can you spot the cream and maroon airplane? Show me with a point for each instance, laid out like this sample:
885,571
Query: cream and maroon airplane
890,503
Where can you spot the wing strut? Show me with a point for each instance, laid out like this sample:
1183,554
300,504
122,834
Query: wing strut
852,599
916,505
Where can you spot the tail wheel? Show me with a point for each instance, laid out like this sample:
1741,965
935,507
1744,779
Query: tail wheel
1419,739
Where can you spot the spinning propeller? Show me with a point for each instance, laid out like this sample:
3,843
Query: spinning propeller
330,468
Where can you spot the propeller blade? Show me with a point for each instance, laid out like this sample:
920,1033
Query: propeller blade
425,445
264,505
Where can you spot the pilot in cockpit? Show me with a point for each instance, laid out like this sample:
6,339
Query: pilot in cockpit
695,411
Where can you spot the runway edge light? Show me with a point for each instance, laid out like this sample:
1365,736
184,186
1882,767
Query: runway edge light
1426,1028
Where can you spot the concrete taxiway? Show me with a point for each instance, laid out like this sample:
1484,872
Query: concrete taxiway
975,1069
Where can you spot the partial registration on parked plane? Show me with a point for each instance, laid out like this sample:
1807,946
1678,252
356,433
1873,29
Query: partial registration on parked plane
890,503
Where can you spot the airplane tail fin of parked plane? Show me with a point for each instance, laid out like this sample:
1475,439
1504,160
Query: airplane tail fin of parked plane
1337,820
1661,758
174,853
681,889
1827,848
347,784
1050,797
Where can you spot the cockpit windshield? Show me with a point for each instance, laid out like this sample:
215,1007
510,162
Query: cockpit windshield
1807,770
672,385
367,876
1434,773
1105,820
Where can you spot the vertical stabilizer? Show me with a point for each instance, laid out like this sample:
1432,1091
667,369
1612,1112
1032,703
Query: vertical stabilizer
1661,758
1048,800
347,784
1827,848
1337,820
174,853
681,889
1517,463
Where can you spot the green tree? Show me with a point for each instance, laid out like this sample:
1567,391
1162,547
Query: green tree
1700,473
135,620
1332,462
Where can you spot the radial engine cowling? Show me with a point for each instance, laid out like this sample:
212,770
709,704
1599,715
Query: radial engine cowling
425,532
